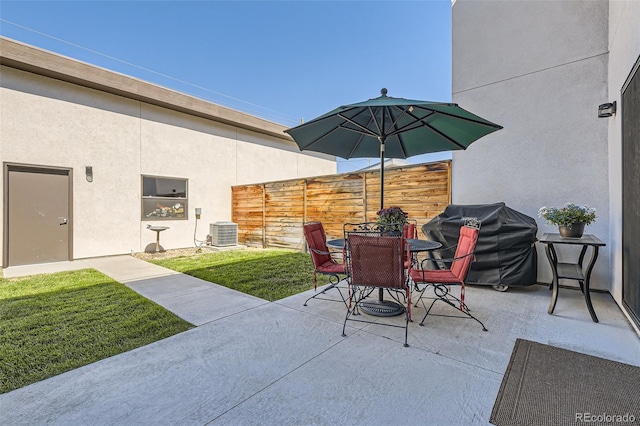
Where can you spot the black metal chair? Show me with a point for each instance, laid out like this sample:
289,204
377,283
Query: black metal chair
442,279
363,228
376,262
379,229
323,262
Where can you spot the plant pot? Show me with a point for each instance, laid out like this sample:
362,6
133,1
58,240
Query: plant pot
575,230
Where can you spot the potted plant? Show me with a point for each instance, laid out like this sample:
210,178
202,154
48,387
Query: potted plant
570,219
392,219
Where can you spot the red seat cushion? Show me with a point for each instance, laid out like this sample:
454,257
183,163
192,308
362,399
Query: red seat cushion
331,267
443,276
410,230
466,245
459,267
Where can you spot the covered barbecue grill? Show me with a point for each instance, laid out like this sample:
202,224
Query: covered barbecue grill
505,252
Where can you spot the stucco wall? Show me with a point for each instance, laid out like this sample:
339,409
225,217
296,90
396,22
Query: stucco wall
624,49
540,70
48,122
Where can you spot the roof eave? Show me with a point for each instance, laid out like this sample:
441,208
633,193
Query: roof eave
32,59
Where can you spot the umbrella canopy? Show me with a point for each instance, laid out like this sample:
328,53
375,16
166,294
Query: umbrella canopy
391,128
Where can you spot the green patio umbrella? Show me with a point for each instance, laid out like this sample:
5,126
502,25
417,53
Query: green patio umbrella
391,128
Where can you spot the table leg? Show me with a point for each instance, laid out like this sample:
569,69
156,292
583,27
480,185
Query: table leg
553,261
587,279
580,260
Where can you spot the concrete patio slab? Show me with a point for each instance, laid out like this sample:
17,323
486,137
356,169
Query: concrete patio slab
368,380
254,362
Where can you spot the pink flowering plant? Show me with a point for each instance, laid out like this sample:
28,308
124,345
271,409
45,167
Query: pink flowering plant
568,215
392,215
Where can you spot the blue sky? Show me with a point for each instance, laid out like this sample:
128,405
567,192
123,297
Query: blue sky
280,60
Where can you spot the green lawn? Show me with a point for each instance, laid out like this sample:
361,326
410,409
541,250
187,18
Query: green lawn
53,323
270,274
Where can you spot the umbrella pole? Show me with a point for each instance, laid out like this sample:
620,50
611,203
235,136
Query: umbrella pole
382,139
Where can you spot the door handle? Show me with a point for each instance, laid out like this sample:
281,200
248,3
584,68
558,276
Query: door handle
63,220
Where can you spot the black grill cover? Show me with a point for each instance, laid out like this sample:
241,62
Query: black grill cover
505,252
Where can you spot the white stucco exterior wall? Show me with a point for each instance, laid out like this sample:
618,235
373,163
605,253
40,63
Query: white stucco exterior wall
48,122
540,70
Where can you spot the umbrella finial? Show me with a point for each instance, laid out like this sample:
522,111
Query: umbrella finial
383,92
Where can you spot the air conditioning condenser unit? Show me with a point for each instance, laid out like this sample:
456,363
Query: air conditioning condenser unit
223,233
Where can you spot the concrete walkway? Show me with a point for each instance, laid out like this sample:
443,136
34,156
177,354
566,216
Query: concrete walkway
252,362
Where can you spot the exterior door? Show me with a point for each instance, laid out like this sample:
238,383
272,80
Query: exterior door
37,215
631,194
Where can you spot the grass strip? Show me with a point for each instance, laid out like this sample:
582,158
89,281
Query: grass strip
53,323
271,274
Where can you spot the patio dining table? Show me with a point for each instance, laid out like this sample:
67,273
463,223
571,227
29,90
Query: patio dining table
415,245
383,307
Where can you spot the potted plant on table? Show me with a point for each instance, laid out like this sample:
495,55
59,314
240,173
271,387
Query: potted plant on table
392,219
570,219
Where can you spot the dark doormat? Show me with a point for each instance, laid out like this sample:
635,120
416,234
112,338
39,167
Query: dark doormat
545,385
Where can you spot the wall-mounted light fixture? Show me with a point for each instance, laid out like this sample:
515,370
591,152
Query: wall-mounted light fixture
606,110
88,171
198,212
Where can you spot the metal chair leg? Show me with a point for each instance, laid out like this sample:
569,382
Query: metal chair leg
332,285
443,294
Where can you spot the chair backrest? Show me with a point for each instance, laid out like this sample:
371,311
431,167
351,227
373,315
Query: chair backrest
377,261
362,228
466,245
316,239
411,230
373,229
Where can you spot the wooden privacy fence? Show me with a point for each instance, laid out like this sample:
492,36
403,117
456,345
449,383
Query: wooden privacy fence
271,214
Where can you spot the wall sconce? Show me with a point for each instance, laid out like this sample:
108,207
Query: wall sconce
198,212
606,110
88,171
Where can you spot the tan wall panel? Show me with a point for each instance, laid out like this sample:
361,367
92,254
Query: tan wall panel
53,123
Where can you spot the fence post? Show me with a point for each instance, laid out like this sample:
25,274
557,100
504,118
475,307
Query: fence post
364,196
304,202
264,216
